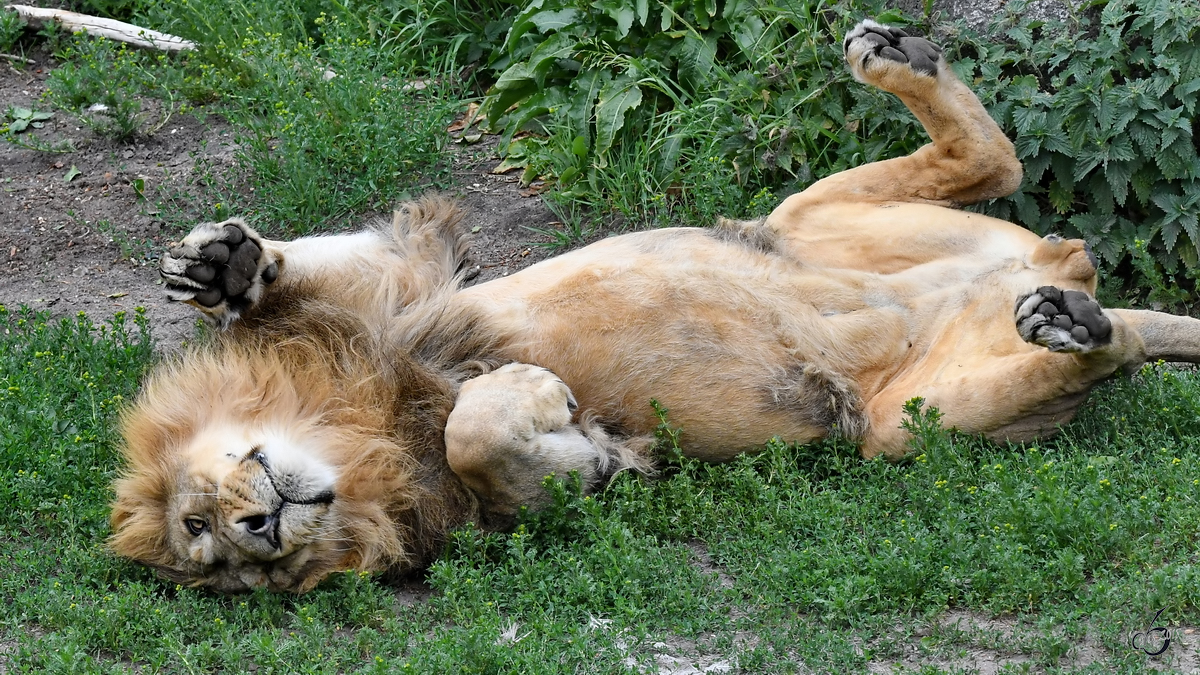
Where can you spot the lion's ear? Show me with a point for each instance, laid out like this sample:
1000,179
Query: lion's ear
139,524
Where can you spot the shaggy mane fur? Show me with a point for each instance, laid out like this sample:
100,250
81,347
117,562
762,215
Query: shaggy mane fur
304,363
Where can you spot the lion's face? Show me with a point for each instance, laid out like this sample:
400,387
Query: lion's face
252,508
237,506
264,467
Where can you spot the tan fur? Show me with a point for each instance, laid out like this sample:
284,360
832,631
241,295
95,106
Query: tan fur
511,428
359,407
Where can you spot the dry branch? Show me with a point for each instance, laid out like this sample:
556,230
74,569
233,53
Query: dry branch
107,28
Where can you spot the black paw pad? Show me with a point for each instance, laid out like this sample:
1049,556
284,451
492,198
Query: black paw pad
1076,313
223,269
215,252
208,298
233,235
238,273
895,45
1062,321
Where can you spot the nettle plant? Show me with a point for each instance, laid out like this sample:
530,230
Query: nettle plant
1105,124
693,89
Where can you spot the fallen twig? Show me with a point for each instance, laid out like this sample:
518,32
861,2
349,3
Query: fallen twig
107,28
21,59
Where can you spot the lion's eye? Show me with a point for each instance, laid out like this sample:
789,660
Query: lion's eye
197,526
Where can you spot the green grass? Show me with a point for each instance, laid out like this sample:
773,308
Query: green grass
332,119
797,557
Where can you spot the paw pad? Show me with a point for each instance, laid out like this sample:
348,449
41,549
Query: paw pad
216,263
869,41
1067,321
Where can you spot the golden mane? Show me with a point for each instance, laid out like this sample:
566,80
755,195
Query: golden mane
314,367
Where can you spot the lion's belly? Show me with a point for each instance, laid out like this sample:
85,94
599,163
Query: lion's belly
738,345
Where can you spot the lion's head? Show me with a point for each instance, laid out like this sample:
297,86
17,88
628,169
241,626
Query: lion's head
256,465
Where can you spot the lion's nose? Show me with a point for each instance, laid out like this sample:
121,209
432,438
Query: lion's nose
263,525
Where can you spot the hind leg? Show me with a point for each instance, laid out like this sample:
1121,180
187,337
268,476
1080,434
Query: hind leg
969,160
513,427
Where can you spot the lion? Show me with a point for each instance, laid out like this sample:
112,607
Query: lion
358,402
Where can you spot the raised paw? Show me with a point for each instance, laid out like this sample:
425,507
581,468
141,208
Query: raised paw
876,52
222,268
1062,321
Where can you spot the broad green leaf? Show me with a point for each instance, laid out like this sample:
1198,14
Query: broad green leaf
1145,136
554,19
568,176
1063,168
1118,175
1188,220
1170,233
518,75
1036,166
624,17
669,153
561,45
616,99
496,105
521,24
1028,146
746,32
1061,197
533,107
1029,119
696,58
585,89
579,146
1186,93
510,163
620,11
1027,209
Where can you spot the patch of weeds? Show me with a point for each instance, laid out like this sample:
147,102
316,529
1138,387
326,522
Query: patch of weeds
101,84
346,129
21,119
123,10
682,112
11,28
1161,288
334,115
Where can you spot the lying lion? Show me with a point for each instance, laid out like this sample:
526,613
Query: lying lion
359,404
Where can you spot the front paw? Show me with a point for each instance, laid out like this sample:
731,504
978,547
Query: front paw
222,268
1062,321
874,50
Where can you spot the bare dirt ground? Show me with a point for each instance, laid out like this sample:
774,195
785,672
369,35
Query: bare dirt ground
75,234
